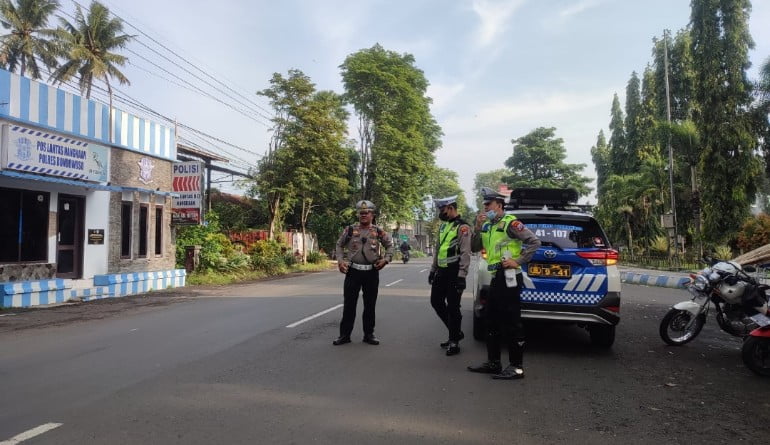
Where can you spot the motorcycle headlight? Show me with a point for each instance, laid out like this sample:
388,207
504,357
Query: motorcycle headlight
700,283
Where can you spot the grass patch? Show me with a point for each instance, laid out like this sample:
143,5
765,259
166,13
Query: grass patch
222,278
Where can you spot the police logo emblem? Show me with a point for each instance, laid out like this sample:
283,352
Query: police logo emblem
23,149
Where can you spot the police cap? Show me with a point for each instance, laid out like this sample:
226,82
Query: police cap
443,202
489,195
365,205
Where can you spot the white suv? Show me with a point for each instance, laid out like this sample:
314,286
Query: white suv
572,278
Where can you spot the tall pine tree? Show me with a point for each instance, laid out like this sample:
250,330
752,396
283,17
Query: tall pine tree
721,41
617,137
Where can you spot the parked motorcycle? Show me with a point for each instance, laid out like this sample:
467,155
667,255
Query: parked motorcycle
756,347
736,296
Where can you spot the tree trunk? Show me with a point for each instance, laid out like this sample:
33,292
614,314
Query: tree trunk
275,201
306,206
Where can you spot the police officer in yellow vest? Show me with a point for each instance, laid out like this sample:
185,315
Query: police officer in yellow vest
508,244
449,270
359,257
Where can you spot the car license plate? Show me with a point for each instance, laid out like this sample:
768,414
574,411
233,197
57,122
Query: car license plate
549,270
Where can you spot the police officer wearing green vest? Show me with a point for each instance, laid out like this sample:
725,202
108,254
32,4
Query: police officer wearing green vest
449,269
508,244
360,258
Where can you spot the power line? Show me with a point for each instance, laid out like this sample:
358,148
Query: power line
192,65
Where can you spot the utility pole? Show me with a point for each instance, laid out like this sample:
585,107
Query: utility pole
670,153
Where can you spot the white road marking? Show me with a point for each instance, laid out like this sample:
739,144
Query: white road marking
6,315
423,270
132,330
297,323
30,433
391,284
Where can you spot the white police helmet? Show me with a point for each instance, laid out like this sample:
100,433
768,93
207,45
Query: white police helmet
365,205
443,202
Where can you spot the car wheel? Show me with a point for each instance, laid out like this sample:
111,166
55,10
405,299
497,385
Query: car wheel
602,336
479,330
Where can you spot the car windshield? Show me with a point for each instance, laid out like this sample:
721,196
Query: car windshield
572,234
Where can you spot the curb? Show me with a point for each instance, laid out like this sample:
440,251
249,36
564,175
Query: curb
675,282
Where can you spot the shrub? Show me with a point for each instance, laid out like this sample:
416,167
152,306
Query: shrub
266,255
754,233
723,252
315,257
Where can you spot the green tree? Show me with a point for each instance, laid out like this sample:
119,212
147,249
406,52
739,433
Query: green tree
600,154
492,179
617,137
88,47
538,161
307,164
648,131
397,133
29,35
762,110
721,41
632,124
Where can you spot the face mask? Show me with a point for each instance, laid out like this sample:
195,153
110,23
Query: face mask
491,215
443,216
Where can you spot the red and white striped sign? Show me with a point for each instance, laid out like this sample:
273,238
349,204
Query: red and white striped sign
187,181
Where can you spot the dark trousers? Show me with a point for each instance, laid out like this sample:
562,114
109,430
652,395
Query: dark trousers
356,281
445,300
503,316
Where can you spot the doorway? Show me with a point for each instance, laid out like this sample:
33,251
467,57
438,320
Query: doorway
69,236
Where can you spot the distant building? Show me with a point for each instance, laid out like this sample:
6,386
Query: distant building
85,206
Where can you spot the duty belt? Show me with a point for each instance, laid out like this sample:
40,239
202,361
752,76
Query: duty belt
498,266
361,266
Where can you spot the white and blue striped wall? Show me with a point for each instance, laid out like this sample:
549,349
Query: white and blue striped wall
40,292
671,281
27,101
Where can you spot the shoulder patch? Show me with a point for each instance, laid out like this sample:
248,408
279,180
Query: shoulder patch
464,230
518,225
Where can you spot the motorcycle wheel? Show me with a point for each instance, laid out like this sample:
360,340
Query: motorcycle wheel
679,327
756,355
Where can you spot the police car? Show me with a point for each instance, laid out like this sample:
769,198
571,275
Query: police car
572,278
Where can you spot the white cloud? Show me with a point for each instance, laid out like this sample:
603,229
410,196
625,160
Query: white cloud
443,94
577,8
494,16
529,108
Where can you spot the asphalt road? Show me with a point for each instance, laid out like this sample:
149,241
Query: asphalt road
223,367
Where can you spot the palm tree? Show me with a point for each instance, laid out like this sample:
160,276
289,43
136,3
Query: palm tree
27,21
87,47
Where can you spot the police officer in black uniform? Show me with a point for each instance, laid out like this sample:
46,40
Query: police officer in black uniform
509,244
449,270
359,258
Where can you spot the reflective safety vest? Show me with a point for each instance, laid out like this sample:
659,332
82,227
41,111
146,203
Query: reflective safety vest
496,241
448,247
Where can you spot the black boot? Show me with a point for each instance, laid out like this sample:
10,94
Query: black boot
371,339
453,349
511,372
446,343
341,340
488,367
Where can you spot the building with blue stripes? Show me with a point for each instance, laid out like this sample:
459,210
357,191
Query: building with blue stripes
85,198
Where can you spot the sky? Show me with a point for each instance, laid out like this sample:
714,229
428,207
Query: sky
497,69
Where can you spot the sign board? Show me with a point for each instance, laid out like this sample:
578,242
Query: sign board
44,152
187,181
95,236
